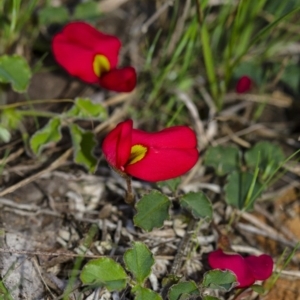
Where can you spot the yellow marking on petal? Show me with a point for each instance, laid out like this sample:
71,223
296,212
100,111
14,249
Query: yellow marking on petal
137,153
100,64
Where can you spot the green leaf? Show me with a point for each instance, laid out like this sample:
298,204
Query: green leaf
291,77
217,279
222,159
85,109
104,272
84,144
258,289
50,15
152,211
145,294
184,287
237,190
15,70
251,69
198,204
86,10
4,293
10,118
50,133
172,184
138,261
5,135
266,156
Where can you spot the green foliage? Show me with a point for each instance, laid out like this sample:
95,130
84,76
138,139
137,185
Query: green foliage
209,63
104,272
217,279
50,133
49,15
258,289
84,144
185,287
223,159
145,294
4,293
83,141
152,211
5,135
86,10
267,156
198,204
242,189
85,109
291,77
172,184
252,69
138,261
15,70
11,118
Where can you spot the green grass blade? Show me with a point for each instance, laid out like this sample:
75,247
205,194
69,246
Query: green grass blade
262,33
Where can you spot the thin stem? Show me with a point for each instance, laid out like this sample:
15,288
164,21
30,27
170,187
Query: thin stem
37,113
129,197
38,101
179,257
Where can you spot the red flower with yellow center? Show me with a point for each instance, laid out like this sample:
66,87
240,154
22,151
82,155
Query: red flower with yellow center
92,56
247,269
156,156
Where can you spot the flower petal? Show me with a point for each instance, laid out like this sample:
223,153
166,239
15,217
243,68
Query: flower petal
243,85
260,266
178,137
233,262
171,153
76,60
119,80
117,145
78,43
163,164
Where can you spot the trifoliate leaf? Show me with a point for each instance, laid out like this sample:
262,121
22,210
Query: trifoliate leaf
138,261
50,133
84,144
238,191
85,109
266,156
104,272
145,294
184,287
217,279
50,15
222,159
152,211
198,203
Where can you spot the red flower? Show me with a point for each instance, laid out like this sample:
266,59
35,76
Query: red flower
92,56
243,85
247,269
154,156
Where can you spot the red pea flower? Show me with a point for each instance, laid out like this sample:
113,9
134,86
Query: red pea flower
156,156
243,85
92,56
247,269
